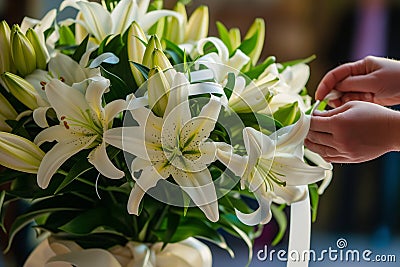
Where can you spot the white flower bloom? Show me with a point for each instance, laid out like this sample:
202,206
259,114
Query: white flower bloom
60,67
253,97
220,63
291,82
101,23
275,169
189,252
83,121
172,146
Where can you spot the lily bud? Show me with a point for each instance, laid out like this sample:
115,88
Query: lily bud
160,60
22,52
174,32
21,89
235,38
158,88
197,26
136,49
6,62
153,43
258,29
19,154
7,112
40,51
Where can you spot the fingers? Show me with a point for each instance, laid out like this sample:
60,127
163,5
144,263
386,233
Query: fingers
353,96
328,153
323,150
338,75
319,137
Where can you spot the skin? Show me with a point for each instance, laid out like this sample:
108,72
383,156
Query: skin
359,128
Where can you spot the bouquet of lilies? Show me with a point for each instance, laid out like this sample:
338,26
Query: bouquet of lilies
131,132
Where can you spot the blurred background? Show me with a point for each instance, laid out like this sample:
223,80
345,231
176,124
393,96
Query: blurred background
362,203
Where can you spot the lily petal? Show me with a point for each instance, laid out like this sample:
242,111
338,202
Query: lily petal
148,179
97,19
152,17
262,215
200,187
112,109
199,128
236,163
66,100
39,116
65,68
53,159
94,93
132,140
55,133
123,15
289,194
296,171
87,257
99,159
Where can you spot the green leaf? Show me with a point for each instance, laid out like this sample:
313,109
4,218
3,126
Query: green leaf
256,71
86,222
79,168
28,217
314,198
173,221
230,85
66,36
143,69
243,235
197,228
80,50
115,45
298,61
2,197
119,89
107,57
287,114
281,219
18,127
175,52
248,45
224,36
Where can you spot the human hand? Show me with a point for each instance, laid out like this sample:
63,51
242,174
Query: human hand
371,79
354,132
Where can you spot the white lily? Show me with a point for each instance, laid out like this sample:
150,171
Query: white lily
189,252
172,146
291,82
83,121
220,63
253,97
100,23
40,27
275,169
60,67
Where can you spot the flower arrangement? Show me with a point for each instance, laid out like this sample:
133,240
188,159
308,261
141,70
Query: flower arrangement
131,132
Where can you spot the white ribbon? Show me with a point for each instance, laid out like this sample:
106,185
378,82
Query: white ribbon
61,253
300,233
300,216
